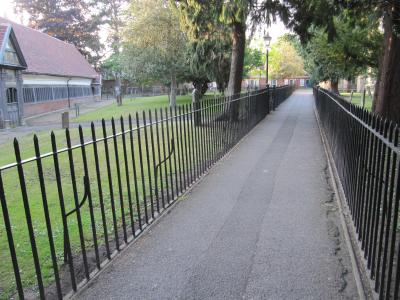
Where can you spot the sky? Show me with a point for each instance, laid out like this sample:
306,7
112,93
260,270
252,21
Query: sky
7,11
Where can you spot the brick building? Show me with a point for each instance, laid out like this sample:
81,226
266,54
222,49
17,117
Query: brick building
259,82
298,81
39,74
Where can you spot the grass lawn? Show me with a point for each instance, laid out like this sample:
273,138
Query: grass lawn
120,196
357,99
131,106
16,208
14,198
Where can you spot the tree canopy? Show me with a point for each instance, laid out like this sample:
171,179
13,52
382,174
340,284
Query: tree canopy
355,49
311,14
209,27
254,61
154,43
284,60
308,18
72,21
208,61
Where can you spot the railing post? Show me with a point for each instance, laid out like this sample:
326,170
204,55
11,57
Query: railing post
268,99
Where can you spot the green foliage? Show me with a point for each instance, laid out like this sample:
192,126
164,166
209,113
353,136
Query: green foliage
308,14
200,20
203,20
253,61
144,66
111,66
208,61
153,44
375,9
284,60
217,21
355,49
72,21
234,11
209,50
112,15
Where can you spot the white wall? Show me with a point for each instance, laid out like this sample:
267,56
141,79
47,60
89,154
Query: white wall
54,80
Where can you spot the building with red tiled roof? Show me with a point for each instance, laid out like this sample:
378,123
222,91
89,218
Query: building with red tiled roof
39,74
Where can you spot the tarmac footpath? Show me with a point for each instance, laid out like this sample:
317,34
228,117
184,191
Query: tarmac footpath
263,224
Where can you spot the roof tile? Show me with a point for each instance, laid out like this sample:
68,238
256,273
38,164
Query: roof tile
47,55
3,30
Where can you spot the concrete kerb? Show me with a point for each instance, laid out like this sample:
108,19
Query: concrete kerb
364,284
106,264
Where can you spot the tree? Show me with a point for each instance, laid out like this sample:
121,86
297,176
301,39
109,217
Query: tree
284,60
210,42
112,15
253,60
72,21
234,13
208,61
111,12
202,18
153,29
144,67
303,16
387,91
355,49
111,66
321,13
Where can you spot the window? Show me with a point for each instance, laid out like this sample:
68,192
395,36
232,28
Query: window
10,55
29,95
12,95
43,93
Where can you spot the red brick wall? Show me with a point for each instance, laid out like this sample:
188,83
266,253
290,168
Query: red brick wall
31,109
263,83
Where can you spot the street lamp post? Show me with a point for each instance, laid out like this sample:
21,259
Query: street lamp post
267,39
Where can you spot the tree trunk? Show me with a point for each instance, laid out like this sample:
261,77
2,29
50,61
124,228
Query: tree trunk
237,62
201,86
172,100
117,89
335,86
387,89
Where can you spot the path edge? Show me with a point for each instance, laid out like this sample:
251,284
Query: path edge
363,283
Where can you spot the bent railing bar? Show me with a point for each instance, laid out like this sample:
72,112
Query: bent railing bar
86,185
172,150
85,195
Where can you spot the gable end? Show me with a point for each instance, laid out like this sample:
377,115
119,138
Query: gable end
10,46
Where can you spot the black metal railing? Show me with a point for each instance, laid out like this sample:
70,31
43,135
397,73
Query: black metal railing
85,194
365,148
279,94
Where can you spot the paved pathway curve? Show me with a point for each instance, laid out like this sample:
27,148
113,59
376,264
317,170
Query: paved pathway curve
262,225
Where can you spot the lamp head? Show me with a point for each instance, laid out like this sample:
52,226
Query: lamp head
267,39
